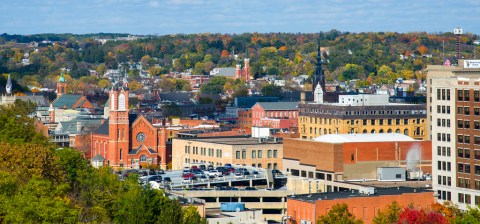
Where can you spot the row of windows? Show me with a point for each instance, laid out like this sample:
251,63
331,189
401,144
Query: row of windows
466,198
256,154
444,195
443,109
466,111
444,180
466,124
443,94
443,137
362,112
464,95
203,151
364,121
443,122
465,153
465,168
443,151
445,166
466,139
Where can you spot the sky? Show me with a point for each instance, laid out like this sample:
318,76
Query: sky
160,17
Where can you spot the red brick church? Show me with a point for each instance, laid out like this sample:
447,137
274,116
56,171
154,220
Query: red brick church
243,73
127,140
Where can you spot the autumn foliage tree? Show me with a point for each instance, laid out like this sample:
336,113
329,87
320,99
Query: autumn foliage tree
339,214
411,215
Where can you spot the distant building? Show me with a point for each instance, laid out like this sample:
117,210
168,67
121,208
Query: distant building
364,113
354,156
219,151
364,205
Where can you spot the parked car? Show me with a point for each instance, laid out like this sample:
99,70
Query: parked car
255,174
210,167
213,173
239,175
276,173
160,171
250,189
187,180
194,168
188,175
231,170
228,165
203,178
223,170
167,180
203,167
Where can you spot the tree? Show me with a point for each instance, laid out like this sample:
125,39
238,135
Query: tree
448,209
190,216
472,215
353,71
135,85
389,215
272,90
412,215
339,214
214,86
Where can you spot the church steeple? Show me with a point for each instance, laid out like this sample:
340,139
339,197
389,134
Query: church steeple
8,87
318,78
61,85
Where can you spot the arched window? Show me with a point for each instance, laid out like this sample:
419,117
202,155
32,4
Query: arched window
405,132
352,131
143,158
373,131
381,131
389,131
121,151
364,131
121,102
397,131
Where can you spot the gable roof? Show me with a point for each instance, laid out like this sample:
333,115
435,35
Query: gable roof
278,105
67,100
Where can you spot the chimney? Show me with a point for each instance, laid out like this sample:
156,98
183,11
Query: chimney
302,97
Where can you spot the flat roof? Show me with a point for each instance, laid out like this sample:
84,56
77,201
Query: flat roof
372,137
233,140
348,194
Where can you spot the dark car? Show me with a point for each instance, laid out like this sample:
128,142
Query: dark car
160,171
228,165
210,167
156,178
250,189
151,172
223,170
188,175
167,180
203,167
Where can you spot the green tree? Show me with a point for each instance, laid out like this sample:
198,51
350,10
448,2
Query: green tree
272,90
389,215
214,86
353,71
471,216
190,215
339,214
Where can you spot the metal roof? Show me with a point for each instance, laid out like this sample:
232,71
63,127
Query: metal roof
67,100
373,137
279,105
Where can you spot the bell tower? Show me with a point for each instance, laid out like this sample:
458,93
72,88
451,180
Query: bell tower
61,86
246,67
119,128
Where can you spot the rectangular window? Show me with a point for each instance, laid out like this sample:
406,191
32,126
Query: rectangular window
468,198
443,94
254,154
466,95
459,110
460,167
466,124
439,150
244,154
260,154
466,110
477,154
448,94
460,95
438,109
275,153
476,111
405,121
438,94
467,168
460,153
460,138
476,96
460,123
237,155
448,109
476,125
467,139
269,154
449,166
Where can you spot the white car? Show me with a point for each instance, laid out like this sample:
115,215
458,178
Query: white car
213,173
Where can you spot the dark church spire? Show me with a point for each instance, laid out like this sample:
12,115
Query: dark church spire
318,77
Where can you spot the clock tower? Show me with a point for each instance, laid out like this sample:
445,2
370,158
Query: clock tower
119,128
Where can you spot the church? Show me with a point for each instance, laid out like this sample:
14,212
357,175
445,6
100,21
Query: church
243,73
127,140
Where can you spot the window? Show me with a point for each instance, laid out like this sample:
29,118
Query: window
460,138
143,158
477,154
477,169
466,95
254,154
443,94
439,151
121,151
237,155
460,123
448,94
459,110
438,94
460,153
460,95
467,139
244,154
476,111
448,109
275,153
269,154
405,121
466,110
259,155
121,102
467,168
460,168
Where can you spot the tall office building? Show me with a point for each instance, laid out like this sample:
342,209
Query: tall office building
453,102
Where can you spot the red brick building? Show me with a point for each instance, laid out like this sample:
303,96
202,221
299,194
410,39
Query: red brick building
364,206
243,73
340,157
127,140
275,115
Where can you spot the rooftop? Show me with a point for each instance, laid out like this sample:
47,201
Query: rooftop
355,194
378,137
278,105
234,140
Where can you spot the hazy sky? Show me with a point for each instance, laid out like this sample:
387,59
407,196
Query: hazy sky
236,16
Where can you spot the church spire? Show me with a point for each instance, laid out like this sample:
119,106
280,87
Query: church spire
318,78
8,87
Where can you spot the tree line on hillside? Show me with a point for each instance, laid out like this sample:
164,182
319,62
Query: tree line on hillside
40,183
369,56
446,213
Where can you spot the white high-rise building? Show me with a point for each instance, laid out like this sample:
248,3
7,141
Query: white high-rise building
453,112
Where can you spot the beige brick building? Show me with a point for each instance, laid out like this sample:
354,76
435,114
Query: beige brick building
219,151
